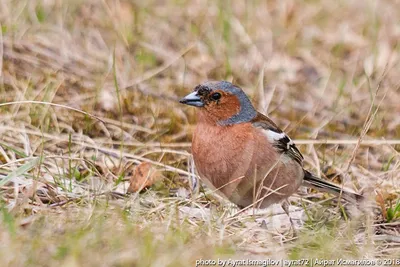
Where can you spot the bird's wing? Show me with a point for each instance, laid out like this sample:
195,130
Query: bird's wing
279,139
285,145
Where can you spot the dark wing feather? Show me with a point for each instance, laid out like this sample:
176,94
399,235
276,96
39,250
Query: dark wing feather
283,143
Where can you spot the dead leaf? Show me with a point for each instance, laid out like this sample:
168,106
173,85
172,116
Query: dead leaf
145,175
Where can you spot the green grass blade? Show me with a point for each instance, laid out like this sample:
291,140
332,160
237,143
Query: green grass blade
20,171
16,151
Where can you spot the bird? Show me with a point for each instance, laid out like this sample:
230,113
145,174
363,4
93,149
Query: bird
243,154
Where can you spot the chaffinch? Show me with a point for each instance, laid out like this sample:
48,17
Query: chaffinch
242,153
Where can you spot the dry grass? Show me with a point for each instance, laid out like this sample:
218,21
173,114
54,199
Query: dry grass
88,91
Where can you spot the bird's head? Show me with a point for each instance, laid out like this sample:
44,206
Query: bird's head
221,102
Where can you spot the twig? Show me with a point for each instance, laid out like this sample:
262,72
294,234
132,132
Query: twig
51,104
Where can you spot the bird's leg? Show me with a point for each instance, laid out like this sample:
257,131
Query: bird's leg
285,207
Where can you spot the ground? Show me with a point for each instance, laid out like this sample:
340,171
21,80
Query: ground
89,90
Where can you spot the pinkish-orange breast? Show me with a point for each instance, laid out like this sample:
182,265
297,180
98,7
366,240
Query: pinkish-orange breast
226,156
237,159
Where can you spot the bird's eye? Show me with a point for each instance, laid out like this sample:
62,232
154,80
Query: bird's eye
215,96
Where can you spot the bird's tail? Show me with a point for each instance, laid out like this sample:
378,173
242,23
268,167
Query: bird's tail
317,183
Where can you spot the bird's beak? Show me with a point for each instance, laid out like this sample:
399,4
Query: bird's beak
192,99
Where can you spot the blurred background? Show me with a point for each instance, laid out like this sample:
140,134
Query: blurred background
89,91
